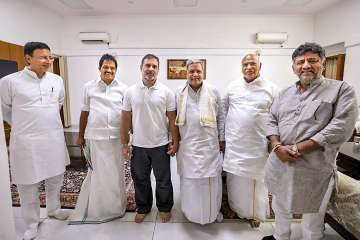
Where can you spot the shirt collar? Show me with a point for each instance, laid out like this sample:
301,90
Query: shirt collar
313,83
155,86
32,73
256,81
113,83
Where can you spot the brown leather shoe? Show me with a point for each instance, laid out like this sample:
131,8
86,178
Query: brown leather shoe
165,216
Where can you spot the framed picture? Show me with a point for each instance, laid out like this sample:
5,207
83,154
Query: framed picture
176,68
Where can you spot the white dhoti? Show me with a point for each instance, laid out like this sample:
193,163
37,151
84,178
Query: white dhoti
103,193
201,198
247,197
30,203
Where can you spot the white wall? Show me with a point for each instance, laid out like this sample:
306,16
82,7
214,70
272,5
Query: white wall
22,22
223,66
221,39
7,224
337,24
186,31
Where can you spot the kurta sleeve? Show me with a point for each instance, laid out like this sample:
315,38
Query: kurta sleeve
342,124
220,116
61,93
85,104
272,127
6,98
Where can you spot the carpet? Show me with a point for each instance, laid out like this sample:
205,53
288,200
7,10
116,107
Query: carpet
73,179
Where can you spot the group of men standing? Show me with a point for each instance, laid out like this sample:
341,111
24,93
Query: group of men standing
302,125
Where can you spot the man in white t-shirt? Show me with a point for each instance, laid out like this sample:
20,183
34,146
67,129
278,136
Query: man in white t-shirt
149,112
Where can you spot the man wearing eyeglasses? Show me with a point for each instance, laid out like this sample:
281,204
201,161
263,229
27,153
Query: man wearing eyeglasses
308,122
31,100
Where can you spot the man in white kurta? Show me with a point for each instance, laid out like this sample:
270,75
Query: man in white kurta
103,194
199,162
31,101
246,105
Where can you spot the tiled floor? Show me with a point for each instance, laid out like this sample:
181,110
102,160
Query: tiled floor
152,229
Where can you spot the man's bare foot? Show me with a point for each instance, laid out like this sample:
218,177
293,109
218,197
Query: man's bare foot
139,217
165,216
254,223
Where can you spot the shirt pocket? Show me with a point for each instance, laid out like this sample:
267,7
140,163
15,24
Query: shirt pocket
320,111
317,115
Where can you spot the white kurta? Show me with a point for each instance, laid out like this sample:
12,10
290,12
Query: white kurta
199,162
246,107
37,144
199,153
103,193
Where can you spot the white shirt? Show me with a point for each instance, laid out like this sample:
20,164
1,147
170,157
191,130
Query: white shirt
247,107
104,103
149,107
37,145
199,153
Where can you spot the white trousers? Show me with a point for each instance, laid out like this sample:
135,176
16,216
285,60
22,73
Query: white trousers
201,198
247,197
312,224
103,193
30,202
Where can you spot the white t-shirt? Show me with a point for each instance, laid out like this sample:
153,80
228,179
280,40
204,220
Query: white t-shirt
149,107
104,103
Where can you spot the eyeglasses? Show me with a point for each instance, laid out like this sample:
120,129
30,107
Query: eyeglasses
45,58
311,61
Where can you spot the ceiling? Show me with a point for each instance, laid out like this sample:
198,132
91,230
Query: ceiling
124,7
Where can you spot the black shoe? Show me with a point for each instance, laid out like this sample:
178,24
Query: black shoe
271,237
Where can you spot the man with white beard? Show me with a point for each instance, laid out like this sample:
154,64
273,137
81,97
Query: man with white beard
199,112
247,104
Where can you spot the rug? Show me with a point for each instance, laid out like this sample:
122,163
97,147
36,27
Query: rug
73,179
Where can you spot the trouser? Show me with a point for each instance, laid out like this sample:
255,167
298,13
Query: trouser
142,161
247,197
312,224
30,203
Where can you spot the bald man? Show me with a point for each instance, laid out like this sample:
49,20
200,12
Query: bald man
246,104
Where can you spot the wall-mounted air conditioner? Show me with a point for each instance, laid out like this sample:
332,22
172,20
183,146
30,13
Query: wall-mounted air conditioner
94,37
271,38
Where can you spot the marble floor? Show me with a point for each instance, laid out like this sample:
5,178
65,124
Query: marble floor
152,228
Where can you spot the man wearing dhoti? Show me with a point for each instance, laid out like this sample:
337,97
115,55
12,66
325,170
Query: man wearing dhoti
308,123
103,194
31,102
199,161
246,105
